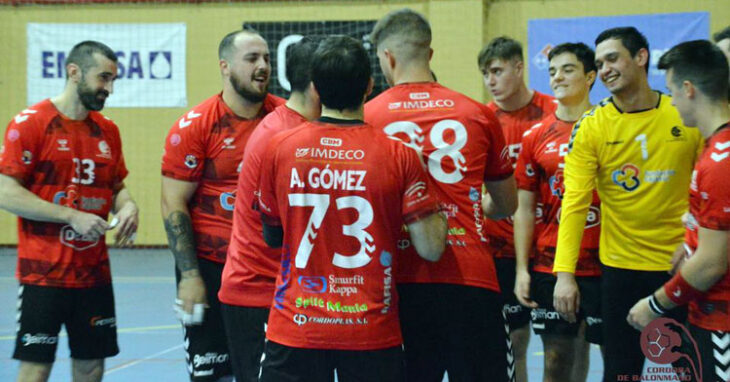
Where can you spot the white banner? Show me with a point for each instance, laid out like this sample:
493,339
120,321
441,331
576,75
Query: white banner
151,64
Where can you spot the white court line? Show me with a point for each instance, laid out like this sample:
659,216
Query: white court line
120,279
149,357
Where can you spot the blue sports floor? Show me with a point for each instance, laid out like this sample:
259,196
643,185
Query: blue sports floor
150,339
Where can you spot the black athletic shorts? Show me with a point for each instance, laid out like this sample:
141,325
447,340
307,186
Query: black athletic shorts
714,349
288,364
620,290
246,329
206,345
517,315
455,328
545,320
87,313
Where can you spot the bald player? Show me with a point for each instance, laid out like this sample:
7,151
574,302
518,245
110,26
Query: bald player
203,154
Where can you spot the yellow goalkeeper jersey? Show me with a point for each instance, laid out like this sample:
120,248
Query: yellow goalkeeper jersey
641,164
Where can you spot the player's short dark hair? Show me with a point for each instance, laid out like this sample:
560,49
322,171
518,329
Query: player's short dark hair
582,52
408,30
630,38
226,45
82,54
500,48
721,35
585,54
299,62
700,62
341,72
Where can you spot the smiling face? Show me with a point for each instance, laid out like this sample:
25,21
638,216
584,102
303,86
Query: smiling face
617,69
502,78
568,79
248,69
96,83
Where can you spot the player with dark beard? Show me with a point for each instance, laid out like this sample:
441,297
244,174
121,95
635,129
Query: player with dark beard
203,155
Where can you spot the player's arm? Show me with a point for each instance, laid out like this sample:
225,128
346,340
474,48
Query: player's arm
17,199
699,273
501,201
524,230
580,177
428,236
127,214
180,236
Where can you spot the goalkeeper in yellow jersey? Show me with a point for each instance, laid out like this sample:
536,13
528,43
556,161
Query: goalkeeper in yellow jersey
634,150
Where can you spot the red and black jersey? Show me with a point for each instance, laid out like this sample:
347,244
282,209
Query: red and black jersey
251,266
74,163
462,145
206,146
540,170
500,233
709,207
342,191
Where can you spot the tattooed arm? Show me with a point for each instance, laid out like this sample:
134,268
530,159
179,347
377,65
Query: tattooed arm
175,197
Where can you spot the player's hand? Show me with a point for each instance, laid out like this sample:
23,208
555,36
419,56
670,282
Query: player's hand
127,219
566,297
641,315
87,224
680,254
522,289
191,299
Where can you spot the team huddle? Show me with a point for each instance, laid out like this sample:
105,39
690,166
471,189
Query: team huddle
397,239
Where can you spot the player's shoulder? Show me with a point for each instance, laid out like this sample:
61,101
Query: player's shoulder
381,99
271,102
200,114
535,131
545,101
291,136
34,116
102,121
599,112
718,150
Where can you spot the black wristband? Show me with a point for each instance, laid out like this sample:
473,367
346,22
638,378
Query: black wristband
655,306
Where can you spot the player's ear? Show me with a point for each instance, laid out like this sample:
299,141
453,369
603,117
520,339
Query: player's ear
591,78
371,85
312,92
689,89
430,53
642,57
390,57
223,64
73,72
519,67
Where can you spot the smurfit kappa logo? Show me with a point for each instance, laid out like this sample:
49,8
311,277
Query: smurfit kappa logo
312,284
665,341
